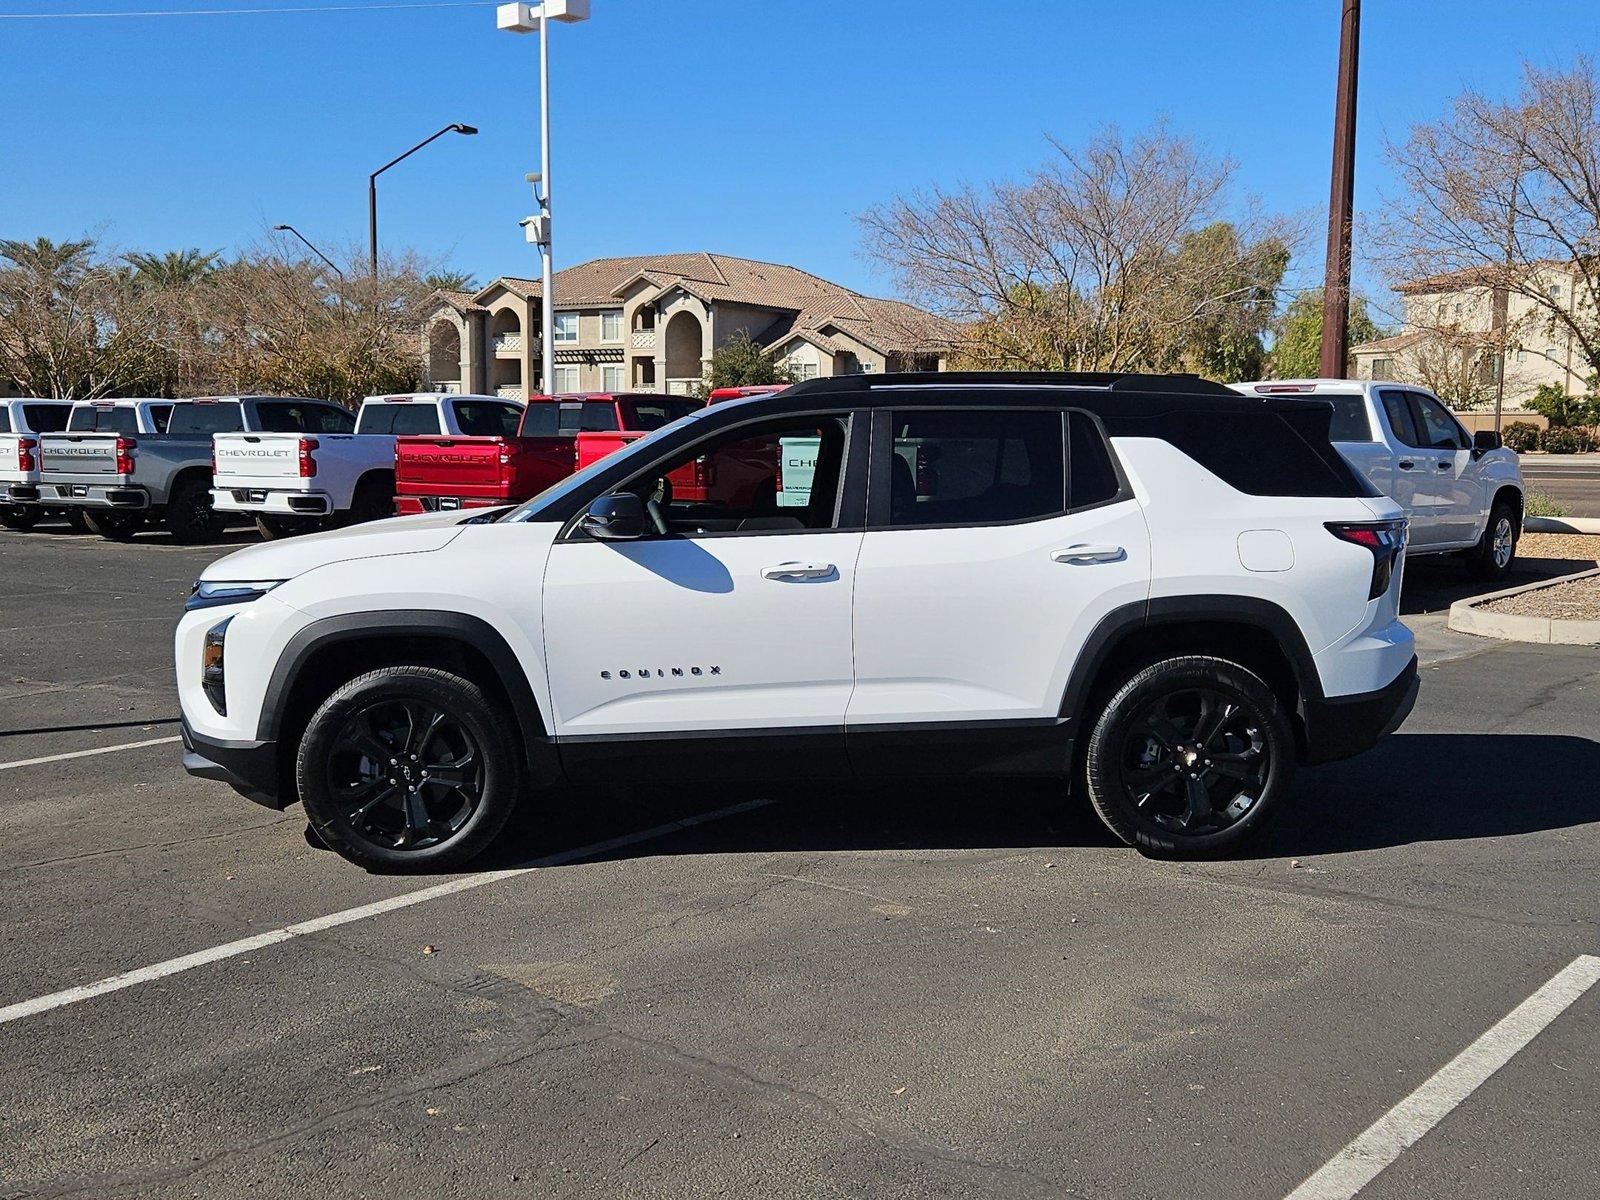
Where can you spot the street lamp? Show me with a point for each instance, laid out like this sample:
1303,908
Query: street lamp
530,18
307,243
372,187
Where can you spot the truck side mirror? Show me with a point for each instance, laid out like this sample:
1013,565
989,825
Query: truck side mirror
616,517
1484,441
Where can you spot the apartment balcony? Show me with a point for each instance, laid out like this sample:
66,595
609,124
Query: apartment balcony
644,339
512,392
509,345
682,387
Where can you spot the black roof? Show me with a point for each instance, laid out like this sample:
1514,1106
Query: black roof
1107,395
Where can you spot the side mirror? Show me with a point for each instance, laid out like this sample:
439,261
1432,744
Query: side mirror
1484,441
617,517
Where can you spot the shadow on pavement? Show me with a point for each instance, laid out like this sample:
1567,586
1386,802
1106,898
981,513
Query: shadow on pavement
1434,584
1410,788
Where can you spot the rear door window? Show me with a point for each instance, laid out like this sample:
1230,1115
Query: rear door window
487,418
1350,422
979,467
161,416
205,418
45,418
1399,413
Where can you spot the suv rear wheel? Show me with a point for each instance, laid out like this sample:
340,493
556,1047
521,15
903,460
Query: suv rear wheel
408,768
1191,756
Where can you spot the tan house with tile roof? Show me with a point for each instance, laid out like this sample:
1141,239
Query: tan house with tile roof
650,323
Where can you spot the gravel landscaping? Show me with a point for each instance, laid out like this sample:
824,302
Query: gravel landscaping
1576,600
1576,546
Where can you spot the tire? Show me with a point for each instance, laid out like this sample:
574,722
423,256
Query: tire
1496,550
19,517
77,520
1159,783
272,528
366,814
373,501
112,525
189,518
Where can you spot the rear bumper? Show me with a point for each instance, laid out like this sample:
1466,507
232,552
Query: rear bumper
22,493
405,506
1340,726
277,504
94,495
249,768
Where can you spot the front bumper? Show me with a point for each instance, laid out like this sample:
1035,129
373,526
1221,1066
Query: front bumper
1340,726
271,503
249,768
94,495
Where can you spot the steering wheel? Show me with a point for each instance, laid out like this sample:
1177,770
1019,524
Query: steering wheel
656,505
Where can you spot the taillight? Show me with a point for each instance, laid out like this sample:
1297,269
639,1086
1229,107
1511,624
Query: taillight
308,465
1385,539
704,476
125,447
25,449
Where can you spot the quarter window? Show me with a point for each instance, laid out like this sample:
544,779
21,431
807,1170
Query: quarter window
974,467
1091,476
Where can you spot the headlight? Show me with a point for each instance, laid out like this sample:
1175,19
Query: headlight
210,593
213,679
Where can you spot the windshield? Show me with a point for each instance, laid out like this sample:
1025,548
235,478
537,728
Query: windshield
644,446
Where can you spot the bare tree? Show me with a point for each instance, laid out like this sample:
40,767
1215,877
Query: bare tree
1504,195
1110,257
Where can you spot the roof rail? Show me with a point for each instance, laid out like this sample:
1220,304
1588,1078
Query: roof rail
1105,380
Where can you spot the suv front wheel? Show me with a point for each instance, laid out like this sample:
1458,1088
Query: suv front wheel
1191,756
408,768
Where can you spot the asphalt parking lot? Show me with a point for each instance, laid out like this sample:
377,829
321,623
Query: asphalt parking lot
918,991
1572,480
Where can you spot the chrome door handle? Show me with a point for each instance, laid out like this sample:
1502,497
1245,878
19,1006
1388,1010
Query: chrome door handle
799,570
1089,554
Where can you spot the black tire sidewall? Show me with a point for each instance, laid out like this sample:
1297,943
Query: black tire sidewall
20,519
466,703
190,518
1481,558
112,525
1103,759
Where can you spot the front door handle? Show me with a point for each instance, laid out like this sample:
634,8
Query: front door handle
1445,464
1089,554
1406,464
800,570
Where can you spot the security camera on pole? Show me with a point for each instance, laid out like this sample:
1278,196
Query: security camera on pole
530,18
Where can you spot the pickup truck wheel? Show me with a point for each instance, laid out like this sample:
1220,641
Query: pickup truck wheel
189,518
112,525
373,501
19,517
272,528
408,769
1491,558
1190,757
77,520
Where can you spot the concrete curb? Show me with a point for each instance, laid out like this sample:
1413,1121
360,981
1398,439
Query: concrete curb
1561,525
1466,617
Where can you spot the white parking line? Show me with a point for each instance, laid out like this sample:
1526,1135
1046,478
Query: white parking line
187,962
50,758
1347,1172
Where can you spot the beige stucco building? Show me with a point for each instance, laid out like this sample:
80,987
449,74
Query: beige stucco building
1454,325
650,323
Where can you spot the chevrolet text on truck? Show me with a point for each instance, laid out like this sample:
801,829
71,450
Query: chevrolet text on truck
21,423
1462,493
129,463
1156,591
344,471
557,435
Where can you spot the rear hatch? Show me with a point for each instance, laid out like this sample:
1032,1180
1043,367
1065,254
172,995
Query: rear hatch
81,457
244,462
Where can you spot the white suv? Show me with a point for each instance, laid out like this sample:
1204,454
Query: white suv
1149,586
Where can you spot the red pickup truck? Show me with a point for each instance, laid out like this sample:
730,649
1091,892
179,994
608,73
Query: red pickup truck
558,435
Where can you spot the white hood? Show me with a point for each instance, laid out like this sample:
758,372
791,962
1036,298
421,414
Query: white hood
295,556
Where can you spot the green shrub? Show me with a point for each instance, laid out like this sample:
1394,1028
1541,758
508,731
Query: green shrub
1566,440
1538,504
1520,436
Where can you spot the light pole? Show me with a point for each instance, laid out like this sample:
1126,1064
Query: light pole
529,18
307,243
372,188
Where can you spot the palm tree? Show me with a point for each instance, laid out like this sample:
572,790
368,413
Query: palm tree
450,281
63,260
175,268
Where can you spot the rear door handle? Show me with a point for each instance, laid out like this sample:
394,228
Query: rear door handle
800,570
1445,464
1406,464
1089,554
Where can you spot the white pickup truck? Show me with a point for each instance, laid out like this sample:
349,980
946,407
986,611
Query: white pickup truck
21,421
343,474
1463,493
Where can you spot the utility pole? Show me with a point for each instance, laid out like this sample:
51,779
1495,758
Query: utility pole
1341,199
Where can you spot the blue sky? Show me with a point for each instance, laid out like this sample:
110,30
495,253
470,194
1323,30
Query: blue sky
750,127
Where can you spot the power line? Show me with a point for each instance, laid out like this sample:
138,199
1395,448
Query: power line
234,12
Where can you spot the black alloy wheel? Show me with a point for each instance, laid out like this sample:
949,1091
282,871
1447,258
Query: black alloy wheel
190,519
1190,756
19,517
405,775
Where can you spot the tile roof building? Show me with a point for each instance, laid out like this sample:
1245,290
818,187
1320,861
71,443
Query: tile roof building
651,322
